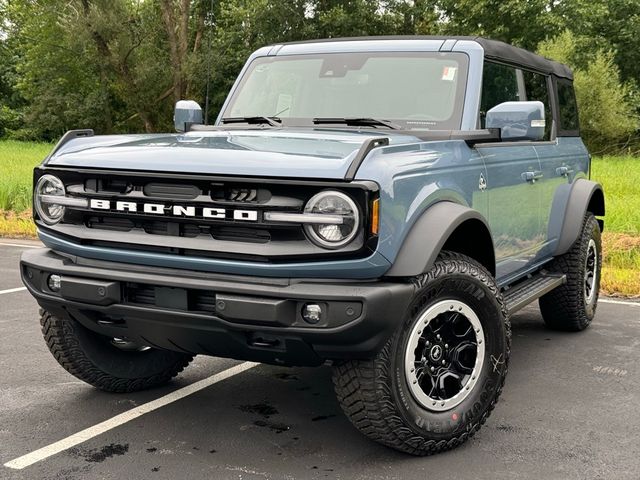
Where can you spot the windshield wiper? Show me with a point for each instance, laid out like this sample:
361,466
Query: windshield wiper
273,121
357,122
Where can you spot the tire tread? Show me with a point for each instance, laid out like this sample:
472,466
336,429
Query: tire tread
563,308
63,343
364,394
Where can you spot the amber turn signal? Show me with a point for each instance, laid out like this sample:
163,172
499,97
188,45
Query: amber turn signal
375,216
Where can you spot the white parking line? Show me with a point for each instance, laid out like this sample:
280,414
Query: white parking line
12,290
619,302
19,245
88,433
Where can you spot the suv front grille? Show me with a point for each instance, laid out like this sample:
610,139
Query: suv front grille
221,217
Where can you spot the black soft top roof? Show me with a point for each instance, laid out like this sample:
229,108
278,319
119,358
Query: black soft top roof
493,50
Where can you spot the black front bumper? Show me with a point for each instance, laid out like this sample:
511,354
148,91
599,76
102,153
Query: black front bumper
250,318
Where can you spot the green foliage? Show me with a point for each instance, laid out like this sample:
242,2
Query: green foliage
606,113
119,65
10,120
522,23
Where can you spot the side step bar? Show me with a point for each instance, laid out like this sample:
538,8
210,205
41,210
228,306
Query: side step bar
523,293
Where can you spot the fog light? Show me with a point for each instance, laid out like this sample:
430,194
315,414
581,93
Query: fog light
312,313
54,282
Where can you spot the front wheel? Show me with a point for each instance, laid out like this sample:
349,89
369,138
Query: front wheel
110,364
437,379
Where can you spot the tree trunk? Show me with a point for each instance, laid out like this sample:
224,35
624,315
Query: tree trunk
121,67
175,16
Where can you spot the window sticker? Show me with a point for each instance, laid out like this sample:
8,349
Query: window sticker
449,73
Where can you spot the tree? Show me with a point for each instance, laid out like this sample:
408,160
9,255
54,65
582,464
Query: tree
119,65
110,65
606,114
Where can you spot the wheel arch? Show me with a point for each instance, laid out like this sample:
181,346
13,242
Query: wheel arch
584,196
444,226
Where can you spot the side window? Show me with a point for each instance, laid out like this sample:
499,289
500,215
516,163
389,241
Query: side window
537,88
568,107
499,84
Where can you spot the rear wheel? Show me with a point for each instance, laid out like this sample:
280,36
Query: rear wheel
110,364
437,379
572,306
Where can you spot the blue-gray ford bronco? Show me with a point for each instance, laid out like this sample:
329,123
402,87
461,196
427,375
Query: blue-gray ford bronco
382,205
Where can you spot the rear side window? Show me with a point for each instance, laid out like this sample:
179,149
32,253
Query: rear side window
499,84
568,107
537,88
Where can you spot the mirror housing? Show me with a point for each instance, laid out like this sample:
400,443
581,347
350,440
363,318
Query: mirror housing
186,113
518,120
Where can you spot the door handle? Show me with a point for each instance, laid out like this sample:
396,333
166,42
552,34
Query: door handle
531,176
563,171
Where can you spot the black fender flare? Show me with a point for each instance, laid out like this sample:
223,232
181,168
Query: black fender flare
579,196
430,233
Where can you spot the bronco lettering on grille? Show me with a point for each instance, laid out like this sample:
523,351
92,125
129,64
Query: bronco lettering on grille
174,210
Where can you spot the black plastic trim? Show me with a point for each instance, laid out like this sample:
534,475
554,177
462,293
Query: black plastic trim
360,316
429,234
362,153
578,199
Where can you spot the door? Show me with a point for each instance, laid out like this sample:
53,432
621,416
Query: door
513,194
513,181
562,160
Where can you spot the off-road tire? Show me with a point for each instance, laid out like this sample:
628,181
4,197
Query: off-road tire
566,307
93,359
374,393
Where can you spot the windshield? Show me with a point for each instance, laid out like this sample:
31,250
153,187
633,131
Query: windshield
416,90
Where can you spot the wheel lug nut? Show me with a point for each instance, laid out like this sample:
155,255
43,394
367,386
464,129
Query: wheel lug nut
446,345
443,362
433,369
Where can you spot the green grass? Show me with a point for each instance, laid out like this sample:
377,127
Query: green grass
620,177
17,160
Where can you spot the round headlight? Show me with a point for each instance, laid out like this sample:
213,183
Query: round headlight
47,188
333,234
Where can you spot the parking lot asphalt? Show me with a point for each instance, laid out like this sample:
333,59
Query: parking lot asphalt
570,409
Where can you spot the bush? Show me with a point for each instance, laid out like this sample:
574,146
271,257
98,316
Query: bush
607,118
10,120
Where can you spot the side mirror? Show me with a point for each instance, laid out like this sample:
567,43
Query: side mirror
186,113
518,120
